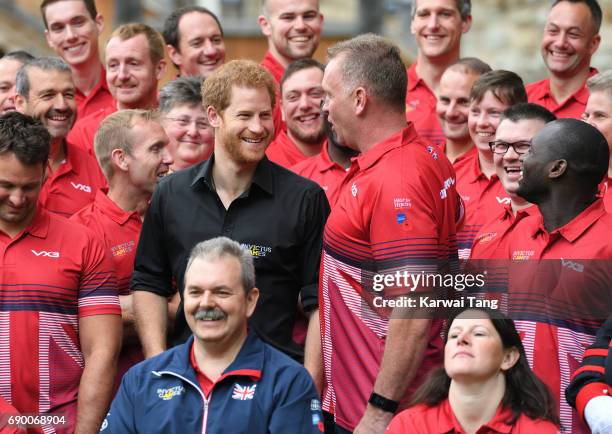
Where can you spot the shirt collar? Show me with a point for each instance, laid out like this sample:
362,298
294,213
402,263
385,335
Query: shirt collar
413,78
396,140
581,95
262,176
249,361
448,423
474,173
112,210
273,66
101,84
39,226
325,161
572,230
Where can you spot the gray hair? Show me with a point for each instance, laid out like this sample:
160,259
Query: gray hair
375,63
22,81
601,82
463,6
220,247
183,90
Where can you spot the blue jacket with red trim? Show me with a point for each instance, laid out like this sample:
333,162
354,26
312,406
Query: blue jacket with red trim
262,391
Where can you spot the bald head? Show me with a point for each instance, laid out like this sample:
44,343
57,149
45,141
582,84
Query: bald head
566,153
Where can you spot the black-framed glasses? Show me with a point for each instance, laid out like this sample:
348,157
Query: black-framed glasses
500,147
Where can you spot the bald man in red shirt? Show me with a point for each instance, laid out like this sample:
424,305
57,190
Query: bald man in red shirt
553,254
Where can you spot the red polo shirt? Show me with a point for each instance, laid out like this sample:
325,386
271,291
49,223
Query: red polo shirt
468,154
491,242
573,107
605,191
284,152
74,183
84,131
325,172
52,274
277,70
118,229
99,97
484,199
555,351
421,108
397,206
440,419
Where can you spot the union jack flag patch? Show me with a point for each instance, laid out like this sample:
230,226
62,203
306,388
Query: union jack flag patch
243,392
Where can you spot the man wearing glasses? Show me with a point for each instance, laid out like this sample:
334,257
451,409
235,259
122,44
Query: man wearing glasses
512,139
191,136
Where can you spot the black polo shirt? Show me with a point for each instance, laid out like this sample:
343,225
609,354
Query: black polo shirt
280,219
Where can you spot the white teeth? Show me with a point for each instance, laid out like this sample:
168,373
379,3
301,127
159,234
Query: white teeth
307,118
300,39
252,140
484,134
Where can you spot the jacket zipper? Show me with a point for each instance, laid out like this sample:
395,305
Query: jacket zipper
206,400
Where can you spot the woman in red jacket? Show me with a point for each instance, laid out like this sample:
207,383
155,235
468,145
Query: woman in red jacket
486,385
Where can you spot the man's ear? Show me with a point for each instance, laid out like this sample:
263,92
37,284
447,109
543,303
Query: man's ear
252,297
557,168
20,103
161,67
214,117
99,23
361,100
264,25
174,55
118,159
466,24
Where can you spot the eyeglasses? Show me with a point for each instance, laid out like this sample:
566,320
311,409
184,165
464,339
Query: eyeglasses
200,123
500,147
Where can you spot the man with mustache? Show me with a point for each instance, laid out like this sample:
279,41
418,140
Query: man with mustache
224,379
45,90
239,193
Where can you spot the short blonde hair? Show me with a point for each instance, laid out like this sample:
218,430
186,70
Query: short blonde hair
153,37
217,88
115,132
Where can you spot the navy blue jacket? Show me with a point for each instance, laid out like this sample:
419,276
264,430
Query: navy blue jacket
262,391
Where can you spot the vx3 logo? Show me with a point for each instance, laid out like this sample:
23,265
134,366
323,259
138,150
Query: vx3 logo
45,253
503,200
82,187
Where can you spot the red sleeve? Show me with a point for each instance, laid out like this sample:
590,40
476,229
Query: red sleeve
98,285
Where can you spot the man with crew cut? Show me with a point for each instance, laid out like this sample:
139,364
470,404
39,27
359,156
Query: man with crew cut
437,26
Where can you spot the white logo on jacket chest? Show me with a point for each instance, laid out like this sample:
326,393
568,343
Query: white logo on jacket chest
243,393
81,187
46,254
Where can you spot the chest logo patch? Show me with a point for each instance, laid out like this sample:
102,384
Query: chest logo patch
243,393
354,189
522,255
168,394
46,254
257,251
503,200
81,187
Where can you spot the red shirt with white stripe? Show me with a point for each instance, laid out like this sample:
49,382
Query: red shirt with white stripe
556,350
397,207
483,198
325,172
52,274
73,185
573,107
421,108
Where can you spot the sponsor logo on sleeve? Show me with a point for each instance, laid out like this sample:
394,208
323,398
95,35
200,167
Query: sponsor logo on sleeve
81,187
